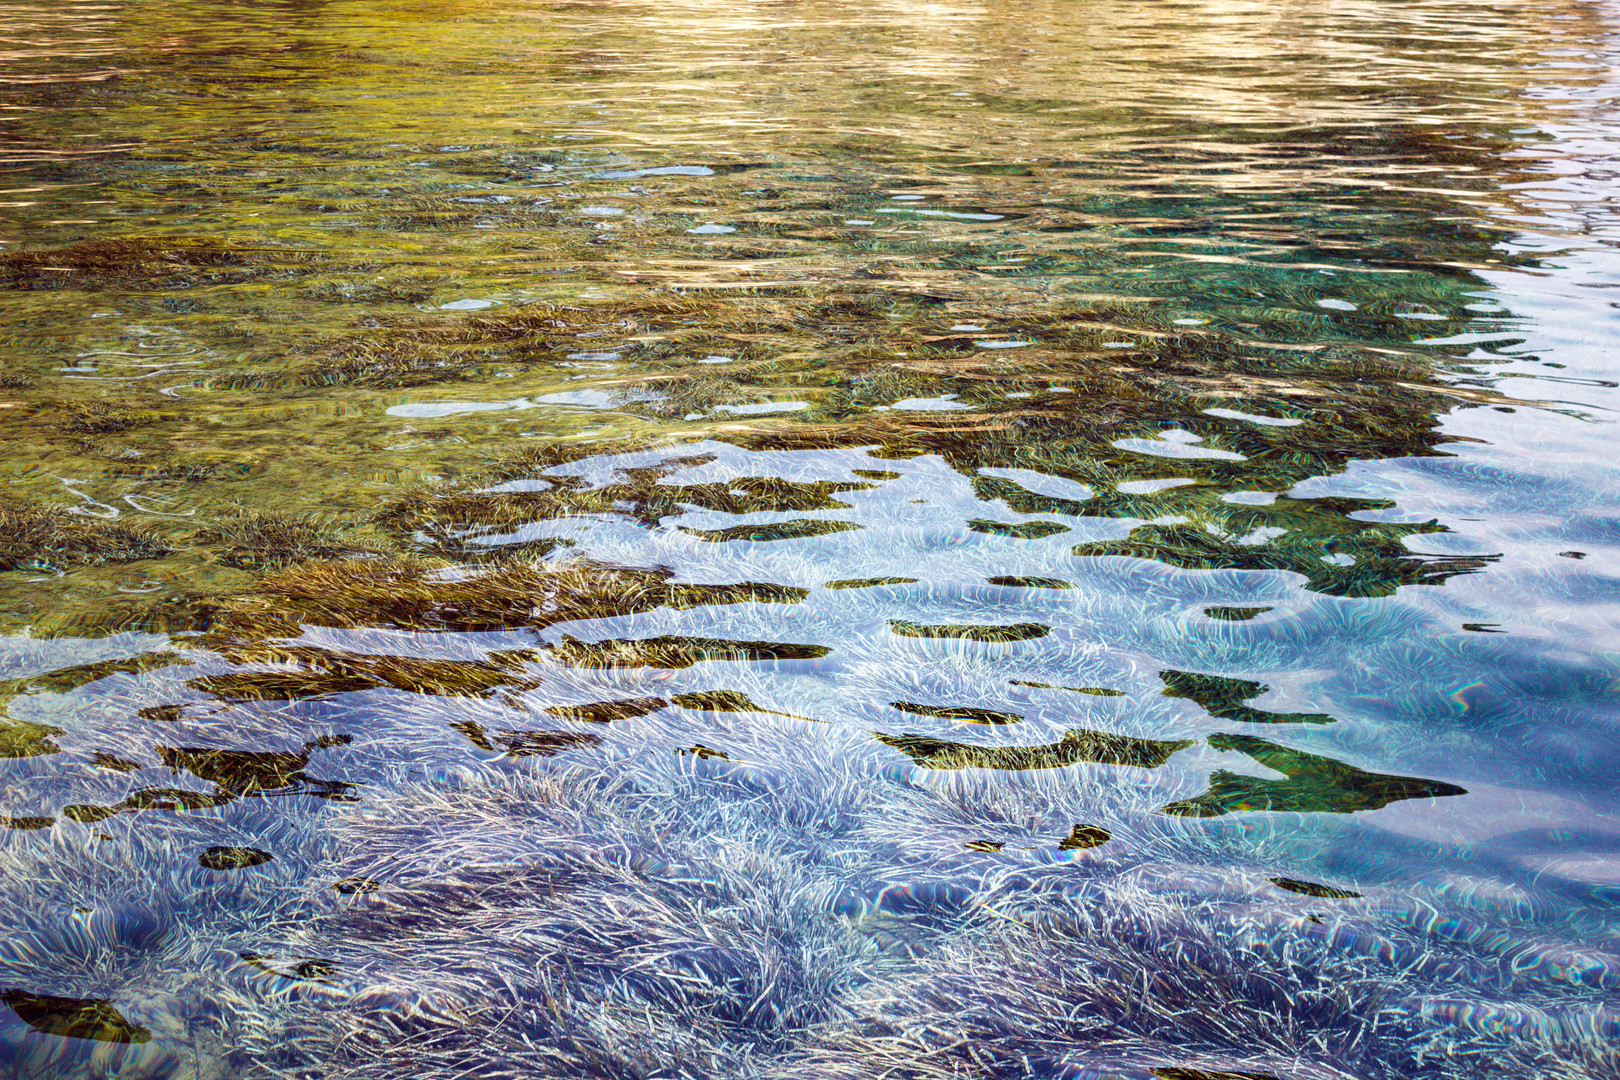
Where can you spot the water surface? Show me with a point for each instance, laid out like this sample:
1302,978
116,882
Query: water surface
1067,539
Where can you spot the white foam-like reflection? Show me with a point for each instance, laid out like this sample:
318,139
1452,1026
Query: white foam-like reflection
1176,443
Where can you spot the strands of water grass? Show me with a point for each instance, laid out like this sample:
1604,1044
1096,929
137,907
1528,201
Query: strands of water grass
37,538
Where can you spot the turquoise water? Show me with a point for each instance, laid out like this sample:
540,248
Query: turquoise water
1073,539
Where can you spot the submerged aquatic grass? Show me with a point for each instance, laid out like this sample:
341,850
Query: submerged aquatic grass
635,542
40,537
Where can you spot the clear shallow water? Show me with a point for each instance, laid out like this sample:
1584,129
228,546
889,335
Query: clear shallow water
809,540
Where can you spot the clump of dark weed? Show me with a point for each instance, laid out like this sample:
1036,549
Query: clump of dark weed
420,594
637,494
266,539
399,291
26,738
95,418
381,368
683,394
361,364
180,472
94,263
34,537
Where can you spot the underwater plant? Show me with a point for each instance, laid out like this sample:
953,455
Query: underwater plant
96,418
150,260
266,539
36,537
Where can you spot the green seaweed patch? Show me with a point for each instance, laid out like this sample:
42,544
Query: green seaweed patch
355,886
985,845
1028,530
524,743
681,596
153,259
417,594
102,610
74,1018
1235,614
175,471
25,823
729,701
1066,435
171,800
1095,691
253,772
234,774
1082,837
181,472
95,418
240,686
1313,784
400,289
391,373
958,712
34,537
446,513
544,743
1311,888
1377,562
717,701
438,678
971,631
682,394
268,539
366,366
321,673
1225,697
605,712
672,652
781,530
63,680
24,738
1077,745
1019,582
233,858
86,814
114,763
649,329
869,582
466,548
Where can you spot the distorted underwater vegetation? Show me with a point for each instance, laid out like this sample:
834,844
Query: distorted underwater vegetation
1067,540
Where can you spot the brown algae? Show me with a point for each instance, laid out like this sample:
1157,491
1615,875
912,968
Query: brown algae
1076,746
36,537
